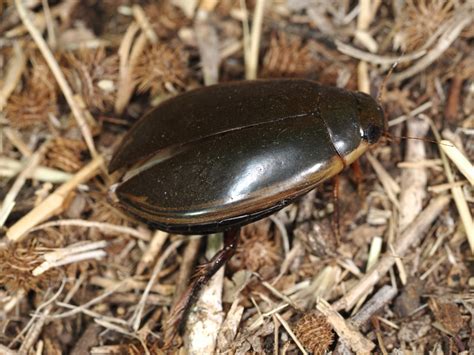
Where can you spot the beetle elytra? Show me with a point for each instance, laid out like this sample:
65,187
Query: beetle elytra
222,156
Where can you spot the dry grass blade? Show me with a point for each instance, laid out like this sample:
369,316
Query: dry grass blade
208,43
11,167
251,59
58,74
16,66
410,237
9,201
230,326
129,53
54,203
459,159
71,254
156,243
290,332
390,185
458,195
137,316
37,321
144,23
374,58
105,227
461,21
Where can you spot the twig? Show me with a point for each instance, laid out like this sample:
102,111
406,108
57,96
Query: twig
191,252
79,114
246,31
187,6
378,333
14,137
208,44
150,254
363,22
93,314
379,300
11,167
374,255
290,332
230,326
103,226
459,159
6,351
458,24
16,66
137,315
49,23
410,237
54,203
292,254
9,200
142,20
88,339
71,254
114,327
423,107
320,287
390,185
251,65
454,97
402,274
34,332
85,306
348,334
129,52
280,295
47,305
130,284
447,186
413,181
433,267
205,319
456,191
62,10
363,81
284,234
374,58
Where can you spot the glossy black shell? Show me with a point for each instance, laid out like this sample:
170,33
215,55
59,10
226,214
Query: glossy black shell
229,154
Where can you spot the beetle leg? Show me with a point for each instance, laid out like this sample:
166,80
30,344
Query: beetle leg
336,216
359,177
203,274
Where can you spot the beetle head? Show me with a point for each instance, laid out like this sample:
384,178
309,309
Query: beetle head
371,118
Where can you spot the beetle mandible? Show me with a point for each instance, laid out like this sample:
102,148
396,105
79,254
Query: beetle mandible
216,158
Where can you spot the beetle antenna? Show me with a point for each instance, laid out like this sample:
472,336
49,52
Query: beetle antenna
384,82
382,89
391,137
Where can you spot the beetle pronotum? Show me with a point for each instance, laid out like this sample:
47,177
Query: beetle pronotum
219,157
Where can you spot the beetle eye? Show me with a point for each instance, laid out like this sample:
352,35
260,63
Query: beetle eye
372,134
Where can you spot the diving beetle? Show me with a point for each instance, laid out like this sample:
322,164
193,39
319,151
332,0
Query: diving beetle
219,157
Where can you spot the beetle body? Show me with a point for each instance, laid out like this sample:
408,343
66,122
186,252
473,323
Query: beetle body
229,154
